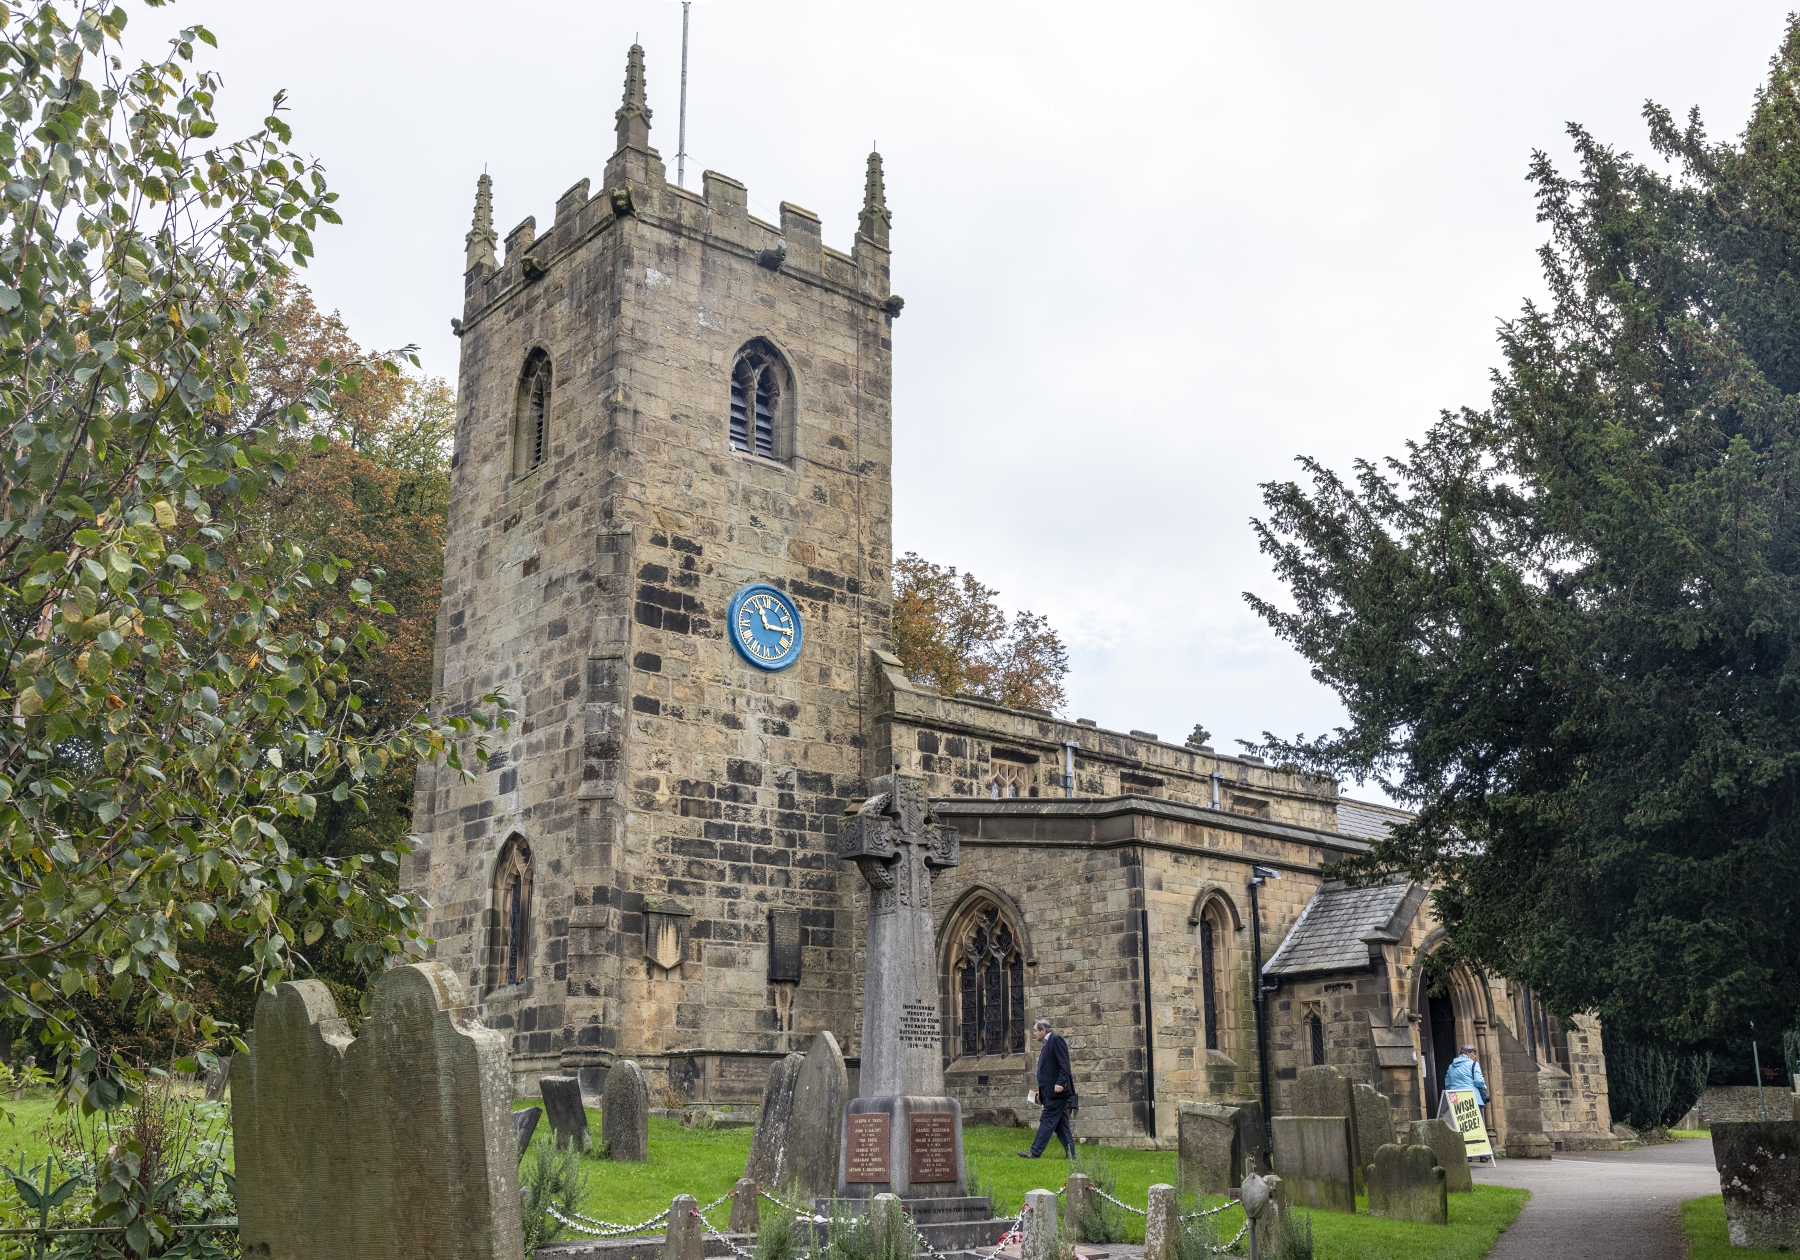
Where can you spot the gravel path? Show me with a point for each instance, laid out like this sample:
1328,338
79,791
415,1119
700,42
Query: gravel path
1603,1205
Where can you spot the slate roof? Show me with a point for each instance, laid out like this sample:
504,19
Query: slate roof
1334,931
1364,820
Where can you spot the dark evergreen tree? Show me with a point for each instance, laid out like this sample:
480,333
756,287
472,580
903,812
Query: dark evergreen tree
1565,628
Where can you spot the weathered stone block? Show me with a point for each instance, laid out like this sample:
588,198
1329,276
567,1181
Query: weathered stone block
564,1110
1406,1184
1372,1120
525,1124
1320,1091
1313,1154
1078,1201
770,1150
1162,1225
399,1142
625,1113
1207,1160
686,1236
1759,1177
821,1088
746,1211
1446,1143
1039,1230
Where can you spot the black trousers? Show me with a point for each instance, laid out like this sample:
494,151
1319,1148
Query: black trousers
1055,1120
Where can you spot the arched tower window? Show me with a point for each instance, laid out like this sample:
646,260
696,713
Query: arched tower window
1214,933
531,427
512,904
1315,1035
989,984
758,381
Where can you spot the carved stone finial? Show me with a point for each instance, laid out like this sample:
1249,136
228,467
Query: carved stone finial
875,217
479,243
633,116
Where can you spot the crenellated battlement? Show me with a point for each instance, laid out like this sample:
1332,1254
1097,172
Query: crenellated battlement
635,188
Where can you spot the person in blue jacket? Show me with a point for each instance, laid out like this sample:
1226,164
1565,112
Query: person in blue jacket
1464,1074
1055,1091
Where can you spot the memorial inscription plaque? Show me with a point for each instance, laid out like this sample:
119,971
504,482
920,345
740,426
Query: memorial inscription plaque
866,1148
784,946
932,1146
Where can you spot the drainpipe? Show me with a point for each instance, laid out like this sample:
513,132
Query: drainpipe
1257,875
1216,776
1068,779
1149,1018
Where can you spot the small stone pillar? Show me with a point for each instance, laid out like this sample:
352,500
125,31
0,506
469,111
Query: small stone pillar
1162,1224
744,1208
1039,1229
1262,1233
686,1239
1078,1199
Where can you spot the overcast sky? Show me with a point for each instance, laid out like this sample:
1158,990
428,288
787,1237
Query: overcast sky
1150,252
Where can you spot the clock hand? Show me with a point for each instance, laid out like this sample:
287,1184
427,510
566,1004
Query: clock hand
765,621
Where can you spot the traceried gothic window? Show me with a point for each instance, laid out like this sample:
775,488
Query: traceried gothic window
512,903
531,426
990,985
757,381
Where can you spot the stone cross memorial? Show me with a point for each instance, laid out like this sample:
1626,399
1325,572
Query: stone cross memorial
903,1135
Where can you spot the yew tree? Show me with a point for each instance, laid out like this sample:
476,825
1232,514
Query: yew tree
179,679
1567,628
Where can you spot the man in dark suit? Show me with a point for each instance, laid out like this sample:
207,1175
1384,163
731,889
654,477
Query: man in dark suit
1055,1091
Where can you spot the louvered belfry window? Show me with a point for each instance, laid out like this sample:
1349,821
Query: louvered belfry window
991,986
531,430
755,401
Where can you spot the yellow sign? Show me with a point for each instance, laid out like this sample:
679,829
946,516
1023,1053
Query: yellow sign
1464,1108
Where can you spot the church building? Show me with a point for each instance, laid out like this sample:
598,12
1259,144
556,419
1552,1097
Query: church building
670,547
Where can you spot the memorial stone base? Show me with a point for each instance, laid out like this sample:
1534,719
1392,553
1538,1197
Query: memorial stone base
903,1145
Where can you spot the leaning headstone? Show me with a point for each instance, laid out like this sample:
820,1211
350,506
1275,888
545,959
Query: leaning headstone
1038,1233
1406,1184
1162,1225
1319,1091
770,1147
745,1210
625,1113
564,1111
1213,1140
395,1143
821,1088
686,1236
1759,1176
1313,1154
524,1125
1372,1122
1446,1143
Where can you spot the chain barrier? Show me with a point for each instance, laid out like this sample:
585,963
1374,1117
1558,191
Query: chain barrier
1097,1190
1223,1207
1245,1229
596,1228
736,1250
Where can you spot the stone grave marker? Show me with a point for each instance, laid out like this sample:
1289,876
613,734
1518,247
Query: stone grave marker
1313,1154
399,1142
821,1088
1319,1091
770,1149
219,1079
1446,1143
1372,1121
1759,1177
625,1113
1406,1184
898,846
563,1109
525,1124
1213,1140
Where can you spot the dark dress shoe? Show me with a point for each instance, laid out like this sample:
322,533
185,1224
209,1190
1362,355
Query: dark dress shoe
1027,1155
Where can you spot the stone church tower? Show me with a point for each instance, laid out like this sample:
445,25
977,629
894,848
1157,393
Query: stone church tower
661,399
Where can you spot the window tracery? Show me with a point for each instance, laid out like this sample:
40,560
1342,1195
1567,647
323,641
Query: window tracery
756,384
512,903
531,429
990,985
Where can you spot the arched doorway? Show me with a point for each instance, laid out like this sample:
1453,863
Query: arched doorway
1440,1045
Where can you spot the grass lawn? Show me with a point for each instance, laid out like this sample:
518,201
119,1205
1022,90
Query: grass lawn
1476,1220
1690,1133
1704,1222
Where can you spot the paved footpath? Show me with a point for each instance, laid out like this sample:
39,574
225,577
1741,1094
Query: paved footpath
1603,1205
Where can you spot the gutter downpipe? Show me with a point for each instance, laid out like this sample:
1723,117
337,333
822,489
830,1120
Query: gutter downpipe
1068,779
1149,1017
1257,875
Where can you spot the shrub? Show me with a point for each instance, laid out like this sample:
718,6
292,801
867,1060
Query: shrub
549,1178
1101,1221
1652,1086
775,1235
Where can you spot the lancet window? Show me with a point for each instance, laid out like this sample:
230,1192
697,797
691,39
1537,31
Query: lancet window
990,985
756,381
531,430
512,903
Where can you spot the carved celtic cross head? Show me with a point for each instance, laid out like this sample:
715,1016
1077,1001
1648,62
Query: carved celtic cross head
895,823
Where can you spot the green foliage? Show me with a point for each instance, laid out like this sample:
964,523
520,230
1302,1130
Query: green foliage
549,1178
1198,1235
1703,1221
1101,1221
983,1186
1651,1086
171,711
1565,629
1292,1236
775,1235
868,1235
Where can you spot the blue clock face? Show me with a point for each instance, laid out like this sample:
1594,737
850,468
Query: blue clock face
765,627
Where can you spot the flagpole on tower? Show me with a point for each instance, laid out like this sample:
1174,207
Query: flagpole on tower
681,142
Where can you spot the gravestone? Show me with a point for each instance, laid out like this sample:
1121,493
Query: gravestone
1319,1091
219,1079
770,1149
821,1089
1372,1121
563,1109
1406,1184
395,1143
1213,1140
1162,1225
1312,1154
903,1133
1446,1143
524,1125
1759,1177
625,1113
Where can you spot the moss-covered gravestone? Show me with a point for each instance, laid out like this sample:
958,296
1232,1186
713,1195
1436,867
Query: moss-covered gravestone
1446,1143
625,1113
1406,1184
